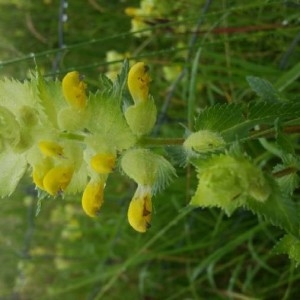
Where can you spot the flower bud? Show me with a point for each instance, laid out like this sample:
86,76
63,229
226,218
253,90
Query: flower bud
203,141
74,90
140,209
92,198
103,163
138,82
57,179
49,148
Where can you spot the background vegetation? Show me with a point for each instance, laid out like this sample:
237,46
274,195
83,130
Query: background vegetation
187,254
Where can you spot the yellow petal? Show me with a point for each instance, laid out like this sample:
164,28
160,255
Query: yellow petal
92,198
57,179
49,148
103,163
138,82
140,209
74,90
40,170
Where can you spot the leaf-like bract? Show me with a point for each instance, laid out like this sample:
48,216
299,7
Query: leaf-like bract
278,209
263,89
12,166
289,245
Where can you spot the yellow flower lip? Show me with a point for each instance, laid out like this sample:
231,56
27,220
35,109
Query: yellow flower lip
74,90
103,163
57,179
140,209
49,148
92,198
138,82
40,170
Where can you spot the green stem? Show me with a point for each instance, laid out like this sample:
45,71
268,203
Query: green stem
72,136
159,142
285,172
270,132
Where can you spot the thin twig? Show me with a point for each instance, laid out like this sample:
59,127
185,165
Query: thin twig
182,74
62,18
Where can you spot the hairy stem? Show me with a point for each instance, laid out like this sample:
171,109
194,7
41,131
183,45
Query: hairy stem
159,142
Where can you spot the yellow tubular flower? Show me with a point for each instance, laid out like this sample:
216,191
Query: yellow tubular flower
40,170
49,148
92,198
138,82
74,90
140,209
103,163
57,179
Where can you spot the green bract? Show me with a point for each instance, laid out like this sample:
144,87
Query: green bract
147,168
226,182
141,117
9,129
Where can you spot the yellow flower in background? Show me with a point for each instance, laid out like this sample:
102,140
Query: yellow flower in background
140,209
92,198
138,82
74,90
49,148
103,163
57,179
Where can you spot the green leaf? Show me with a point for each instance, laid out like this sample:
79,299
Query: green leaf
51,98
289,245
234,121
288,180
284,141
105,86
106,120
13,167
265,112
278,209
263,89
221,118
120,82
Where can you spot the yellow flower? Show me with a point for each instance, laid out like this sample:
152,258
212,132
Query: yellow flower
49,148
57,179
40,170
103,163
74,90
140,209
92,198
138,82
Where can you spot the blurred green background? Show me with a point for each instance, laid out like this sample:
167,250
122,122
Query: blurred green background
187,254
